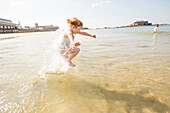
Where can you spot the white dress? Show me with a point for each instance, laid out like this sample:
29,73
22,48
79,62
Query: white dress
64,43
155,29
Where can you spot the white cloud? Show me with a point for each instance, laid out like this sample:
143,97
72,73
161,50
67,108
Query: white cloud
16,3
99,4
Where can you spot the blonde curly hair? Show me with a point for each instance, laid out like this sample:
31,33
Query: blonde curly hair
74,22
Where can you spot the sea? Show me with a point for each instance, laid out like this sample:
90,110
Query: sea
123,70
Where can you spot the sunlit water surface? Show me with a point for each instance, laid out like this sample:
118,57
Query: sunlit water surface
125,70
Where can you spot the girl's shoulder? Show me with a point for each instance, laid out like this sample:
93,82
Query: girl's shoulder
67,31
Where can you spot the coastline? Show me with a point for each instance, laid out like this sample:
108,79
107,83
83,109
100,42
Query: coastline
130,26
28,31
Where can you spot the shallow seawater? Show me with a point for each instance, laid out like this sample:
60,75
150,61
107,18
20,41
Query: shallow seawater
123,70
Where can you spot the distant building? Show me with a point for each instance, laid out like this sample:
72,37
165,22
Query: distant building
141,23
50,27
5,20
106,27
84,28
27,27
7,24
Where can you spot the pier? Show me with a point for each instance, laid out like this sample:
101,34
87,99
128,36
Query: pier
6,26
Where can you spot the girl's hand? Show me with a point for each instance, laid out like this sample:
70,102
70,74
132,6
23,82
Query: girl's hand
94,36
77,43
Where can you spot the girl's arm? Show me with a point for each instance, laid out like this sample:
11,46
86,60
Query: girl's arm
86,34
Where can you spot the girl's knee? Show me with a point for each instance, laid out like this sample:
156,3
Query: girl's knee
75,50
78,49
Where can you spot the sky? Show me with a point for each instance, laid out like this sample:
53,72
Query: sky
93,13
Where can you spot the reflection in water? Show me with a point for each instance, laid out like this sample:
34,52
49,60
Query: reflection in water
155,36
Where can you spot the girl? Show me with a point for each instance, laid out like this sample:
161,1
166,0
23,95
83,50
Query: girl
156,29
68,47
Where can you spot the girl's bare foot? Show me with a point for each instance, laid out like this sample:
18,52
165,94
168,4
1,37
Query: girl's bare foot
71,64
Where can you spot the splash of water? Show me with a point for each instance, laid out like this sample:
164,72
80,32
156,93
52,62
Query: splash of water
53,61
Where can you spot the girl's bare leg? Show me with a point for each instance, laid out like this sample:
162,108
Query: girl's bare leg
64,53
74,51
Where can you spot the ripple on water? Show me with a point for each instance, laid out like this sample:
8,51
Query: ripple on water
119,72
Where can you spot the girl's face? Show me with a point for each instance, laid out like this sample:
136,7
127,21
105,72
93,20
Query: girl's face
76,30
